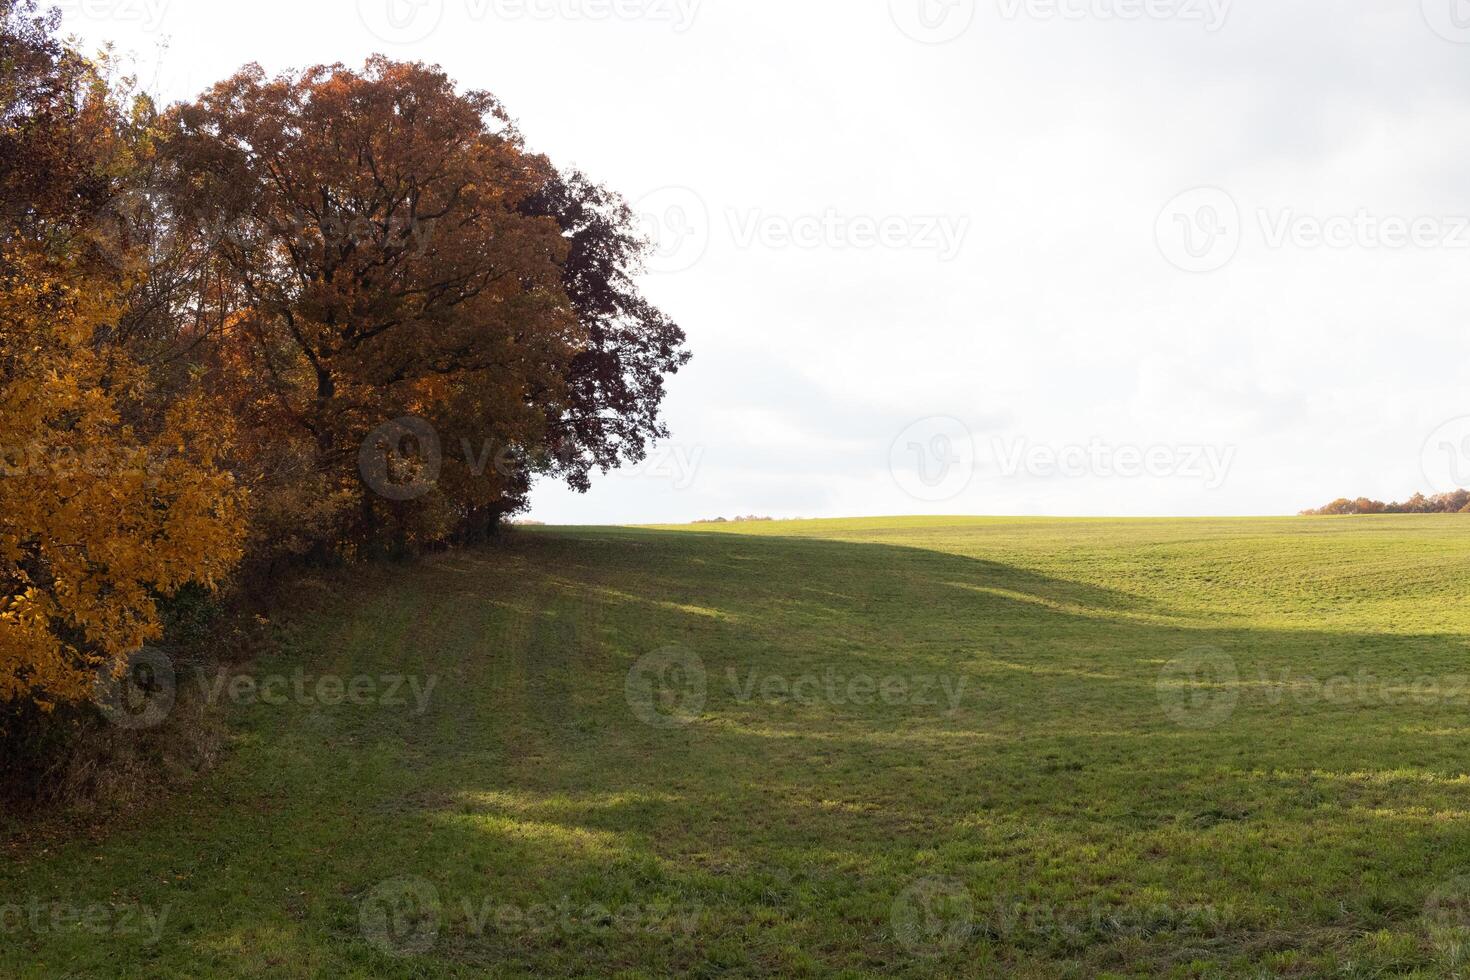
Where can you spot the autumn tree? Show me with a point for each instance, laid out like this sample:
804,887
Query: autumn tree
111,495
386,247
100,513
54,127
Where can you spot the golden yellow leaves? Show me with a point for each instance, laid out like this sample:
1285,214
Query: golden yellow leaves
103,505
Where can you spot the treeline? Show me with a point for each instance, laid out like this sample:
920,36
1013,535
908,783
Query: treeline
1457,502
749,518
255,328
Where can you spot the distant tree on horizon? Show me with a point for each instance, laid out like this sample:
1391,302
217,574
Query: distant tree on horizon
1455,502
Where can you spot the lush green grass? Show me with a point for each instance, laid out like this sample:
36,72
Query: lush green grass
1077,800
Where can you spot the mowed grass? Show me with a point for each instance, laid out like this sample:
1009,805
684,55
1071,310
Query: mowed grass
1033,748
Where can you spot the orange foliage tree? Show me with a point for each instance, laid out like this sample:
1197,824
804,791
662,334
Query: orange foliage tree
374,261
99,514
112,492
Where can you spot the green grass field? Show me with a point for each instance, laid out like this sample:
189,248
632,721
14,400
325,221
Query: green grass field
913,747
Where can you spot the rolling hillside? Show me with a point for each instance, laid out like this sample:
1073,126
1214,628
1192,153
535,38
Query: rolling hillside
903,746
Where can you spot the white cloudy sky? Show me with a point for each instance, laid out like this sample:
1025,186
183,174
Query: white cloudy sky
1036,181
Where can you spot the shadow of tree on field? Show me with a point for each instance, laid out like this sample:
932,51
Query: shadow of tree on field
1074,747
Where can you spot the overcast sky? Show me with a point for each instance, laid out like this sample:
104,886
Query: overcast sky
1132,257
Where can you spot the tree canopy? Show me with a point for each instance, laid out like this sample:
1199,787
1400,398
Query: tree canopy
332,313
